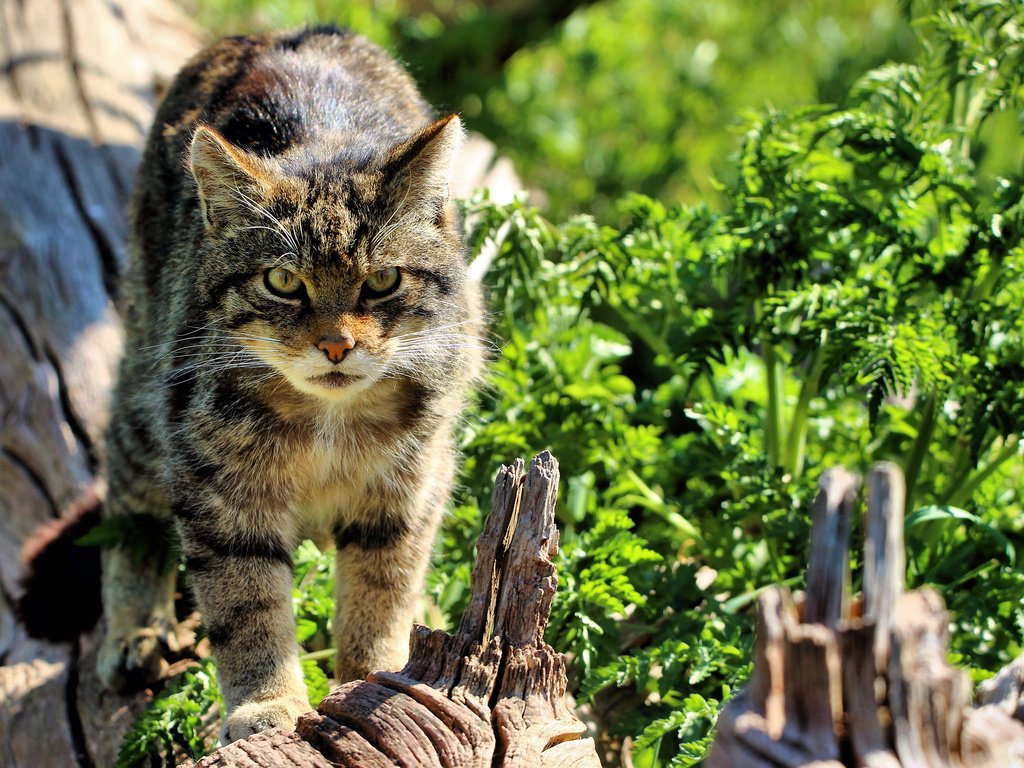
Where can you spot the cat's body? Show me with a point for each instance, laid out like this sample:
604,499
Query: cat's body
299,346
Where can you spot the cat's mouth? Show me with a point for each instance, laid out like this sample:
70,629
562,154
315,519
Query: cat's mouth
335,379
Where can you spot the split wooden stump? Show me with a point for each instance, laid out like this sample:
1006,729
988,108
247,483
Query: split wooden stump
841,681
493,694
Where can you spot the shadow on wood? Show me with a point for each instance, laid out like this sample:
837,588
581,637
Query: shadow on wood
493,694
862,682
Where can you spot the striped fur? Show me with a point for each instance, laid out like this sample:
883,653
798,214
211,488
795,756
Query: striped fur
314,153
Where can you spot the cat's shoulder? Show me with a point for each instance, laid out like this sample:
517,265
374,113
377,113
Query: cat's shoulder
287,80
221,58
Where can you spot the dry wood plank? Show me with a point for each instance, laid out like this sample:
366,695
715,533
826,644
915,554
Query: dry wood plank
74,108
285,748
885,559
861,683
31,687
827,573
991,738
1006,690
927,697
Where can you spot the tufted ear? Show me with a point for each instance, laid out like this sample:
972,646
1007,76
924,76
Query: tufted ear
421,167
225,175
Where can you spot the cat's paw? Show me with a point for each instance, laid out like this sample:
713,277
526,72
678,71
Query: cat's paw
258,716
128,659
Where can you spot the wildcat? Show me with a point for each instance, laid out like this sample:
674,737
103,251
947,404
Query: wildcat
300,341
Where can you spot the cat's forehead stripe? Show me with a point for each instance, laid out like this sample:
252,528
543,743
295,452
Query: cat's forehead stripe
334,218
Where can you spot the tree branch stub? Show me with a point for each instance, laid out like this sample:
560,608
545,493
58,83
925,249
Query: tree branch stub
863,682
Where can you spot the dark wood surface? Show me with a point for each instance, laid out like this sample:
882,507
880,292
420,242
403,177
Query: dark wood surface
77,88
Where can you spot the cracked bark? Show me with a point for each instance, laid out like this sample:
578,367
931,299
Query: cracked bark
840,682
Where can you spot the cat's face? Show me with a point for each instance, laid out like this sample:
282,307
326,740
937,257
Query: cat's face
335,279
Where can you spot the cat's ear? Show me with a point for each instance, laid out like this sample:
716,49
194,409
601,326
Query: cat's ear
422,165
225,175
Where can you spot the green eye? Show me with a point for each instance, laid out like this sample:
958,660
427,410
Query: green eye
282,282
381,283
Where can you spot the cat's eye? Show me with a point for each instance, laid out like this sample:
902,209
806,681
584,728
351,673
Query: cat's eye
381,283
283,282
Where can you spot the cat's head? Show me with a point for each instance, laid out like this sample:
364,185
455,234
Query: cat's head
335,273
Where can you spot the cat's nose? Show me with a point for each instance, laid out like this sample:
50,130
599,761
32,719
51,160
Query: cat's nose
336,347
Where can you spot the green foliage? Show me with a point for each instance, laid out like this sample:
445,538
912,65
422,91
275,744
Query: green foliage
313,603
857,300
625,95
637,96
313,595
144,537
173,721
689,725
317,683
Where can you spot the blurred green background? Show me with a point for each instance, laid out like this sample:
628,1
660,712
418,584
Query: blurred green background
593,100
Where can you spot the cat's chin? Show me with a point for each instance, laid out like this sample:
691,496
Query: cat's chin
336,380
334,386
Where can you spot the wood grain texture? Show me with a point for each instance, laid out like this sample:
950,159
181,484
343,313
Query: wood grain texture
77,89
865,682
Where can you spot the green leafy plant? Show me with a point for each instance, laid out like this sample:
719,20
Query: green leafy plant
178,721
858,299
174,721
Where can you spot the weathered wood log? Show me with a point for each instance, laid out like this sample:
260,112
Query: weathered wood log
841,682
1006,690
77,86
493,694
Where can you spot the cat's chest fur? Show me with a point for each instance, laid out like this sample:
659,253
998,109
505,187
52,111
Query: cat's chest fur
346,466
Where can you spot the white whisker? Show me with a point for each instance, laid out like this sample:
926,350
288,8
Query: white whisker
277,227
385,228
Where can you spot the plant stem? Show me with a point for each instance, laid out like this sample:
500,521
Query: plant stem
773,421
326,653
796,440
920,447
961,469
963,494
660,508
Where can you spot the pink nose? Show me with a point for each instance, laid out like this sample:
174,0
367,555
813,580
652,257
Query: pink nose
336,347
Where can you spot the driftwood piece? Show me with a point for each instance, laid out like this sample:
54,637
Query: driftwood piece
1006,690
493,694
841,682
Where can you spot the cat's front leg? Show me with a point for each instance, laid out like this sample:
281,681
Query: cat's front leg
138,611
243,580
139,574
379,569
